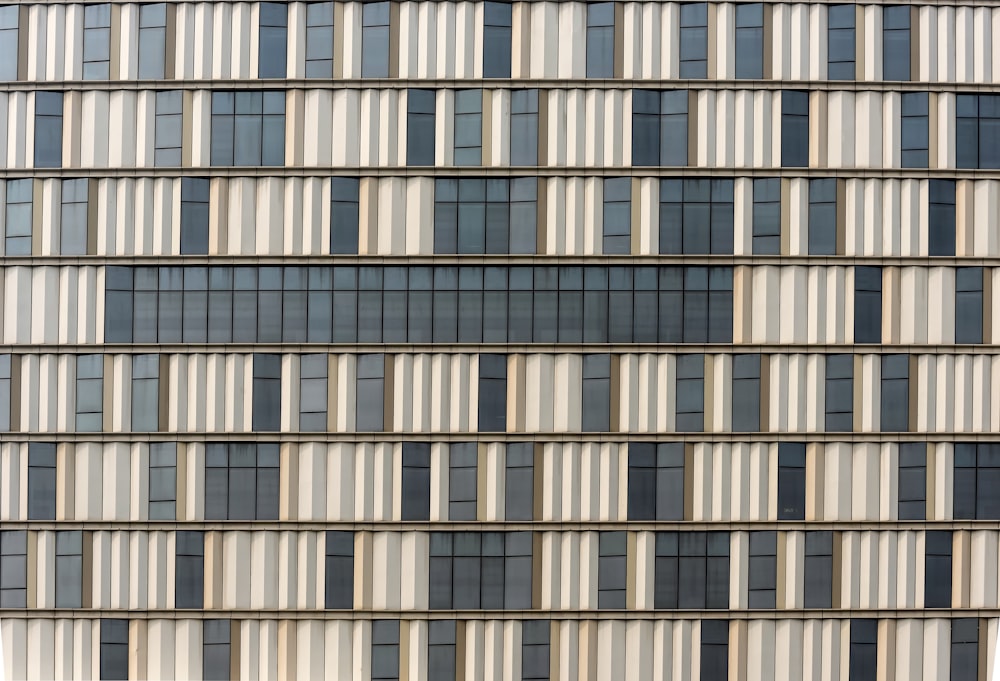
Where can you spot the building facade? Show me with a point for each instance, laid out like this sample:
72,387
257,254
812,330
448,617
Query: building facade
503,341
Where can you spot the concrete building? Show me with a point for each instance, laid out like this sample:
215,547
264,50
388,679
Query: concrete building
504,341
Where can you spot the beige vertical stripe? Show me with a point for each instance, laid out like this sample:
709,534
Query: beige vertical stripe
234,651
170,43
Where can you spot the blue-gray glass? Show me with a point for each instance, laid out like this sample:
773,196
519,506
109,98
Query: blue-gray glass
152,41
914,133
145,393
596,396
750,40
895,393
839,393
746,393
370,372
715,650
468,127
216,653
375,40
385,649
319,40
841,38
41,481
519,462
497,18
420,127
791,481
911,481
823,216
818,570
967,131
344,214
762,569
694,40
415,487
794,129
273,45
492,393
524,127
766,216
646,127
73,217
690,393
611,570
964,658
8,42
535,637
114,649
48,129
867,304
941,217
167,131
601,40
937,568
968,305
989,131
617,216
96,42
863,652
194,214
896,43
69,569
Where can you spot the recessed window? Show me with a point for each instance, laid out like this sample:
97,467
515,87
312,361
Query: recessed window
248,128
691,570
660,127
941,217
696,216
969,283
168,127
241,481
480,570
420,127
656,481
339,585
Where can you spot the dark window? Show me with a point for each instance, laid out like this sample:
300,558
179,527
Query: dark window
463,459
523,127
69,569
375,40
767,216
497,18
248,128
864,648
118,305
492,393
266,392
914,131
385,650
8,42
319,40
601,40
313,390
344,214
145,393
937,569
419,127
485,215
941,217
13,569
762,572
370,398
519,481
694,40
794,129
895,393
596,395
612,574
215,649
97,42
840,41
912,481
162,481
691,571
746,393
90,393
339,585
791,481
617,216
690,401
114,649
17,226
867,304
535,635
977,477
896,43
153,43
48,129
480,570
839,396
241,481
656,481
714,650
977,131
965,649
968,304
5,396
195,193
660,127
468,127
750,40
818,570
823,216
41,481
416,485
273,48
167,139
441,660
696,216
73,217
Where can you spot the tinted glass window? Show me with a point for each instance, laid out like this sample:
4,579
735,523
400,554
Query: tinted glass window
13,569
375,40
535,636
313,392
114,649
468,127
863,665
69,569
612,574
617,219
841,41
896,43
691,570
492,393
96,42
839,393
419,127
714,650
90,393
656,481
867,304
794,129
48,129
496,39
762,569
659,127
169,125
18,223
371,378
319,40
941,217
750,40
256,119
914,131
690,393
937,568
696,216
746,393
767,216
791,481
242,481
416,485
969,284
519,481
694,40
823,216
145,393
339,586
195,194
41,481
162,481
215,649
8,42
965,649
601,40
895,392
266,392
273,45
153,44
441,661
818,569
523,127
912,481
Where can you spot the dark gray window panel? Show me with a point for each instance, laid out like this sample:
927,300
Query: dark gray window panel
617,214
523,127
867,304
912,481
977,131
691,570
841,50
519,481
914,130
823,216
5,396
385,650
601,40
8,42
767,216
215,649
118,301
750,40
968,304
937,568
97,42
839,393
339,581
441,660
69,569
977,477
370,396
480,570
273,44
375,19
416,485
746,393
818,570
492,393
145,393
48,129
242,481
895,393
319,40
485,215
463,481
762,570
420,127
690,400
195,196
965,649
468,127
114,649
345,201
659,127
656,481
162,481
596,395
863,661
696,216
89,393
313,391
694,40
794,128
535,642
714,650
41,481
168,130
266,392
73,217
248,128
612,570
896,43
941,217
153,44
791,481
497,21
13,569
17,226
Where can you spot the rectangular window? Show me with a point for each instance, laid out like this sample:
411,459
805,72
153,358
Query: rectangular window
492,393
13,569
375,20
273,47
839,393
189,569
167,137
118,304
371,382
968,304
17,237
313,392
656,481
691,571
480,570
750,40
823,216
266,392
162,481
660,127
345,201
863,664
914,131
714,650
153,43
114,649
519,481
69,569
937,568
896,43
385,650
241,481
965,649
523,127
90,393
248,128
420,127
794,128
895,393
690,402
319,40
977,476
497,22
468,127
767,216
694,40
485,215
762,572
612,575
463,460
416,485
977,129
145,393
441,660
215,649
791,481
818,570
746,393
97,42
41,481
696,216
5,397
339,581
9,17
596,395
48,129
912,481
535,635
73,222
941,217
195,196
840,41
867,304
601,40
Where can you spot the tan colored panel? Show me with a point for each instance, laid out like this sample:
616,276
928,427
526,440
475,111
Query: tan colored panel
87,587
394,40
32,566
213,570
961,568
288,474
363,570
538,480
332,380
913,388
114,65
543,137
630,567
987,305
137,650
688,481
765,392
404,650
859,397
819,156
713,47
486,136
738,653
932,129
295,121
536,570
708,393
837,576
635,218
187,127
234,650
781,576
692,121
287,650
460,653
170,42
619,46
914,42
23,36
859,42
15,393
65,481
886,649
815,480
338,40
768,38
890,304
